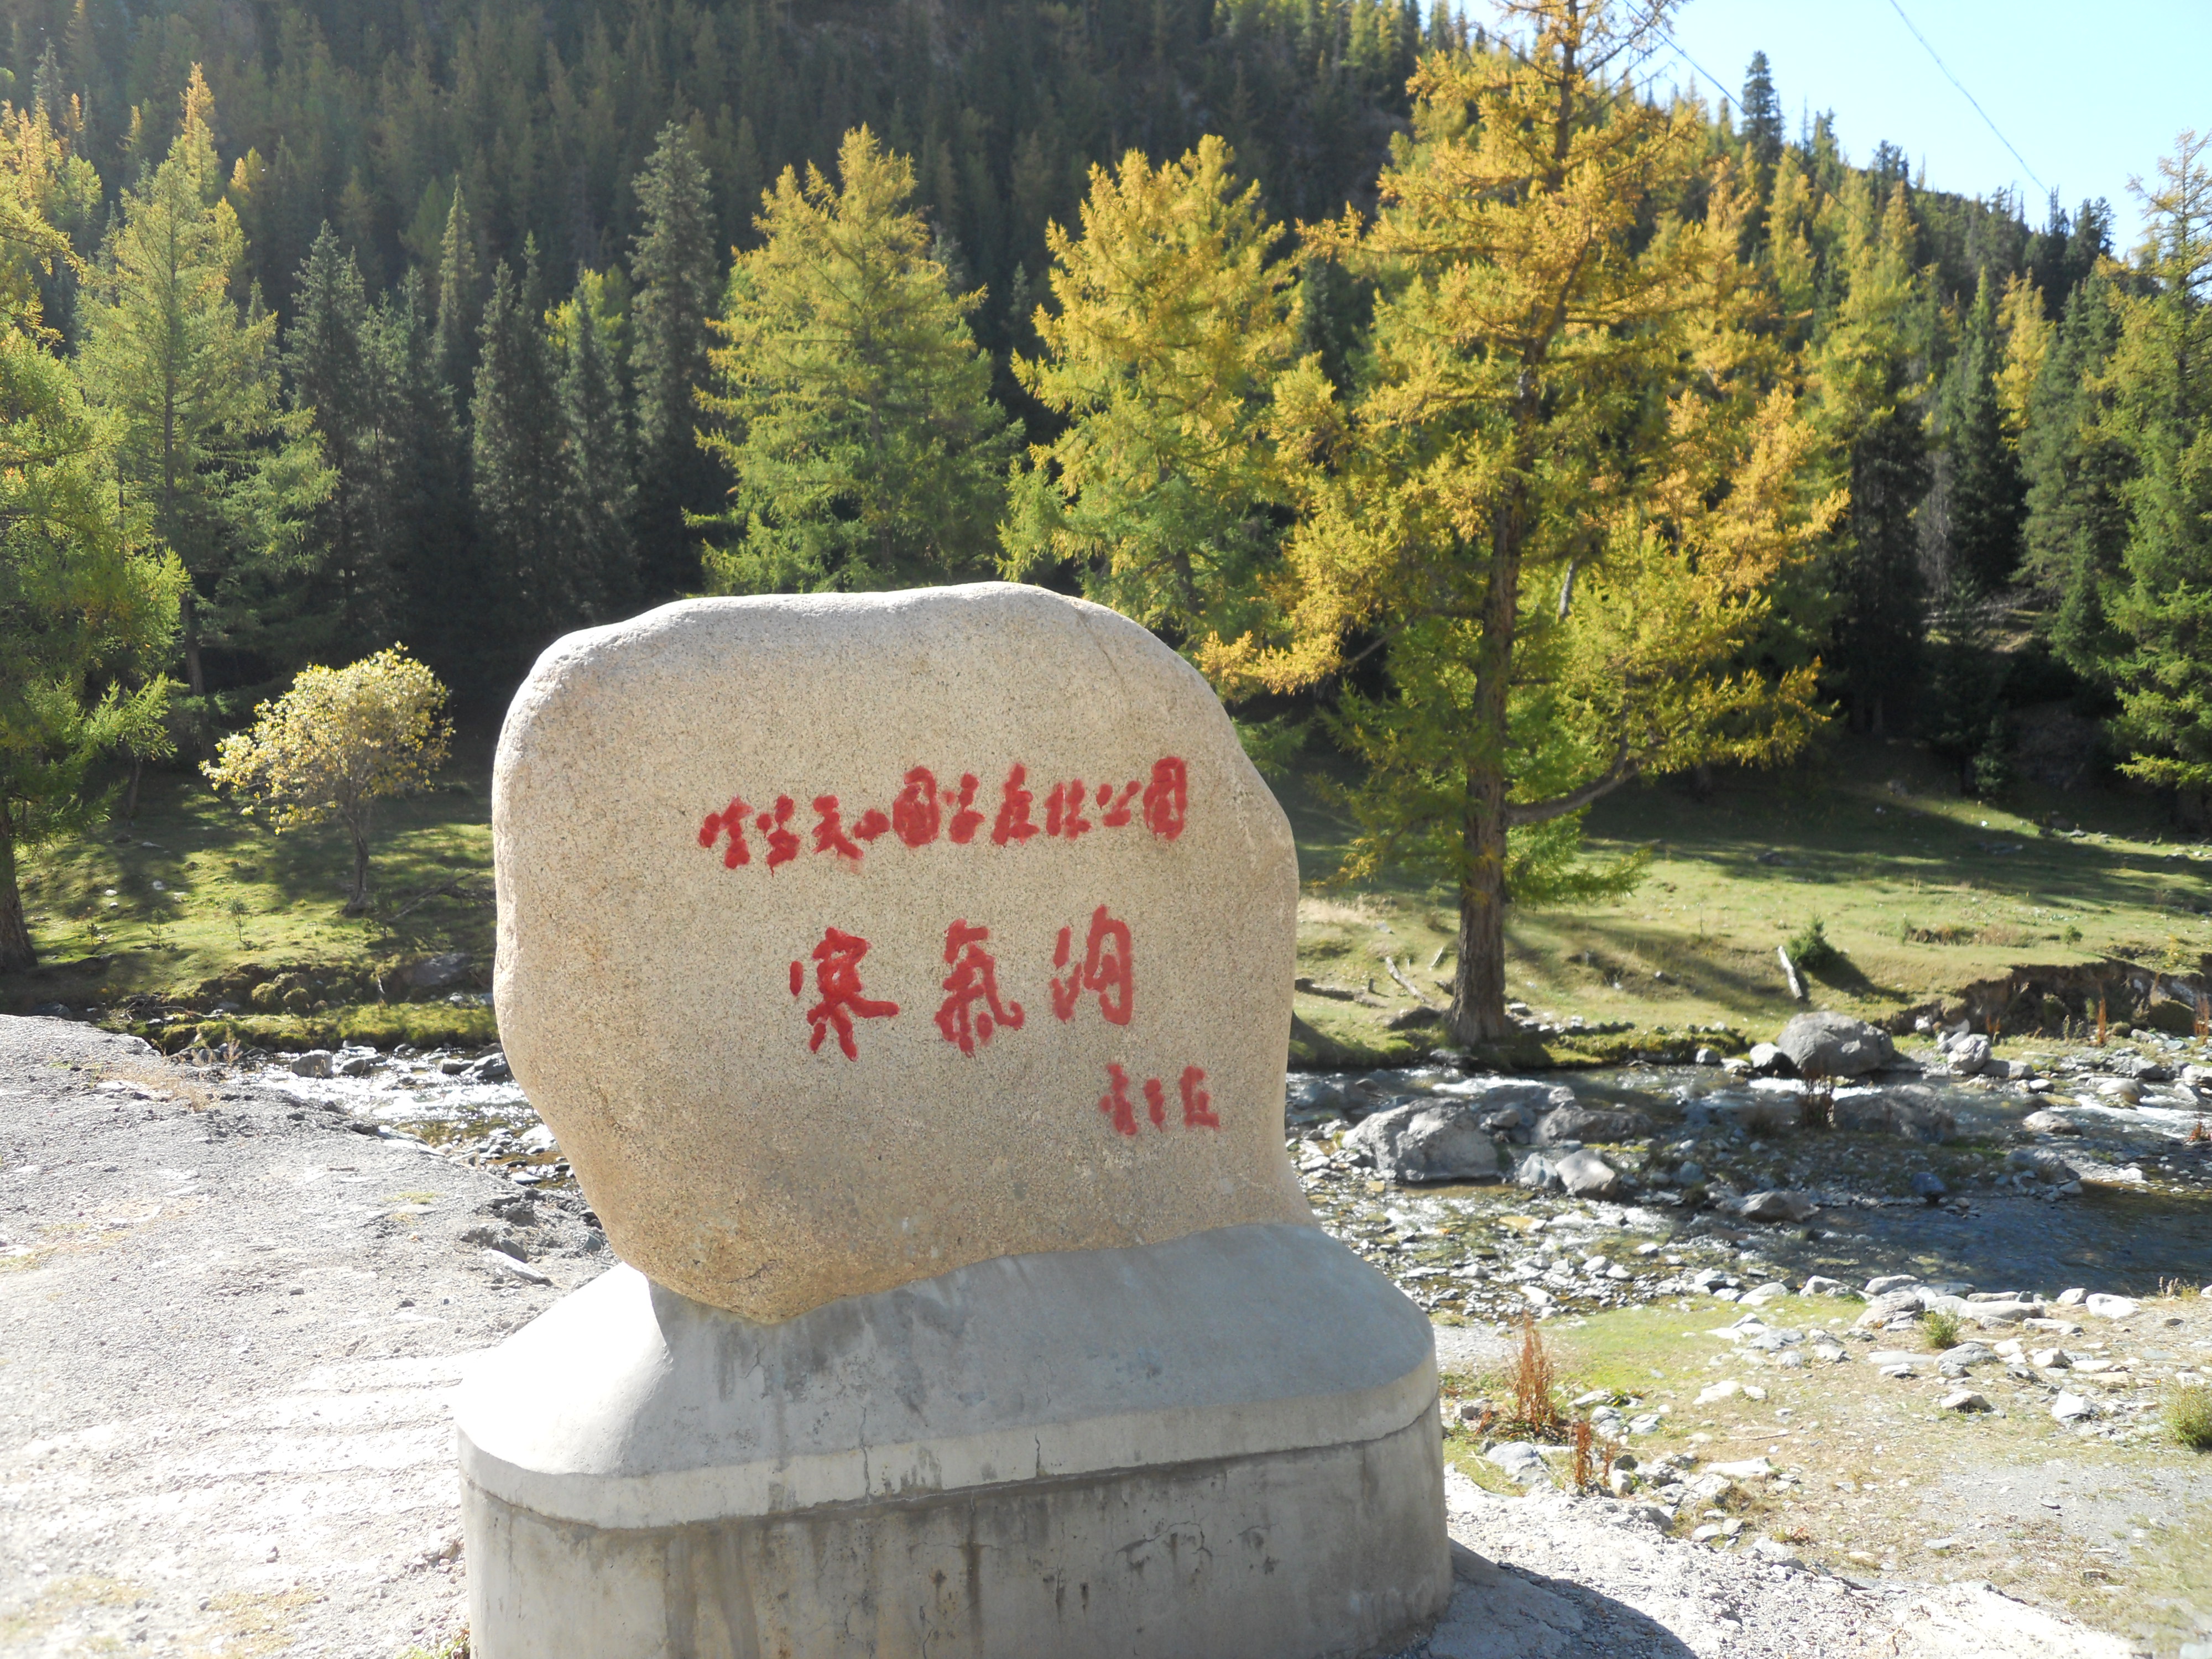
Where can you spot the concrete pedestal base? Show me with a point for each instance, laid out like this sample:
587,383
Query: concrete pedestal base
1222,1446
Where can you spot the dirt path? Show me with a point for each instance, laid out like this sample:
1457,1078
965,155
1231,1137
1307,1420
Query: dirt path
233,1320
233,1323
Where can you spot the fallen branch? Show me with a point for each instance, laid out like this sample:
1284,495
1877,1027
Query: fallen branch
1406,985
1789,973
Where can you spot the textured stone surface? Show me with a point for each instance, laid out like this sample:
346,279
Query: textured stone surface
693,1011
1428,1140
1835,1045
1223,1445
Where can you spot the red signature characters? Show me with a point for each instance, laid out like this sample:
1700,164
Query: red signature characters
1120,1111
837,982
974,978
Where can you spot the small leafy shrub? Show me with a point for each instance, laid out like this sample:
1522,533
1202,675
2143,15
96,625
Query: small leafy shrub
2189,1417
1812,950
1940,1328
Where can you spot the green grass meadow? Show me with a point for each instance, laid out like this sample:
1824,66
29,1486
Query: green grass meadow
1922,890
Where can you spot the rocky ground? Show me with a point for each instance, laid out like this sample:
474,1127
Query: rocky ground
237,1299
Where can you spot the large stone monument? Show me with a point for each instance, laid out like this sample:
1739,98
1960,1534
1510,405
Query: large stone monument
908,980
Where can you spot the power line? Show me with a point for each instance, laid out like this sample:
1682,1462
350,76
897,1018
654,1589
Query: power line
1677,46
1968,96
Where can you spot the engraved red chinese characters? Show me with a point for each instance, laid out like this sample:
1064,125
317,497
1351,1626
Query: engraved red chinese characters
837,981
974,978
1120,1111
1167,798
1109,967
731,822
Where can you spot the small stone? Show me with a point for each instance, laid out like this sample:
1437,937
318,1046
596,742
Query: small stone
1819,1286
1836,1045
2110,1307
2073,1298
1754,1468
2071,1408
1926,1184
1888,1282
1521,1460
316,1062
1720,1391
1707,1057
1970,1054
1768,1060
500,1262
1962,1399
1585,1175
1773,1291
1778,1206
1706,1533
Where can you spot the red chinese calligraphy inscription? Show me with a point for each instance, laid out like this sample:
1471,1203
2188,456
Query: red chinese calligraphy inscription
1120,1111
1114,1103
914,813
919,815
974,978
782,839
1109,967
837,980
731,822
1167,798
1013,823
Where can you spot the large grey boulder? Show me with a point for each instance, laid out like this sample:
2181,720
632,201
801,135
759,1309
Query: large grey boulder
1590,1123
1835,1045
1579,1174
1427,1140
1970,1055
1491,1093
1778,1206
1912,1110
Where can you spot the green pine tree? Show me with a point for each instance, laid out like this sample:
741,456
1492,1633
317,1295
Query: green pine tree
2075,528
1984,493
191,379
520,473
2162,604
88,607
1762,116
424,509
601,486
672,266
1868,370
856,410
461,297
332,381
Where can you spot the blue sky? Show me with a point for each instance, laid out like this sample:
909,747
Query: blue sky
2088,96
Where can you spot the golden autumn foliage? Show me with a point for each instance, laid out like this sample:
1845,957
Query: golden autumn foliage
1560,493
336,744
1175,313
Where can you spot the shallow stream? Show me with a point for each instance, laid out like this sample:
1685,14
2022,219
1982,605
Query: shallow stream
2144,1213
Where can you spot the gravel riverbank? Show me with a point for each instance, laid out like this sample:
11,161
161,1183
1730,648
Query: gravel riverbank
236,1303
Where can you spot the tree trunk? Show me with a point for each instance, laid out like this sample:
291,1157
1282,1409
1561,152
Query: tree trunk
15,952
130,795
357,900
188,620
1478,1010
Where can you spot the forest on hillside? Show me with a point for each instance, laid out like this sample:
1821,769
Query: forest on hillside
463,327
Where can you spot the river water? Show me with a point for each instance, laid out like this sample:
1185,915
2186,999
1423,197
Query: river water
2144,1215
